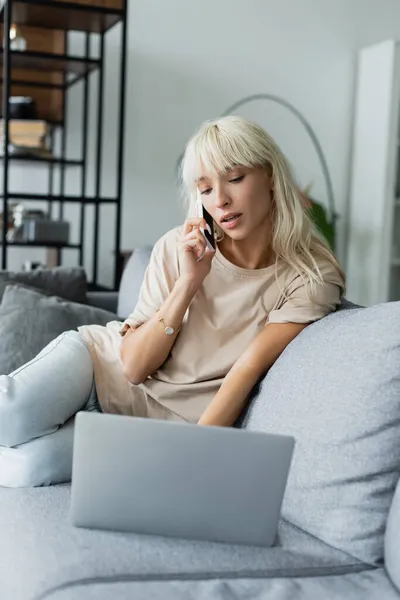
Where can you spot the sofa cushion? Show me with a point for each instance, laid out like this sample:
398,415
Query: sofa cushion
131,280
29,320
40,550
67,282
367,585
392,540
106,300
336,389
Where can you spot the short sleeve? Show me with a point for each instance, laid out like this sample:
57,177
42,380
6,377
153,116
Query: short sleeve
304,305
158,282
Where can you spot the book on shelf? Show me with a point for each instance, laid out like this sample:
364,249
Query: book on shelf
28,141
30,134
25,127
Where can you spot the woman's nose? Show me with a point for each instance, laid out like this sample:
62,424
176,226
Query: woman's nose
221,198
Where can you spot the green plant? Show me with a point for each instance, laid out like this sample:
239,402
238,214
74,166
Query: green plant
319,217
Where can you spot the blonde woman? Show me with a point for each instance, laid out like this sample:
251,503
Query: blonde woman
207,326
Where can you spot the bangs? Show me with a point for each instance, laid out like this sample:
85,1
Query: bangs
215,150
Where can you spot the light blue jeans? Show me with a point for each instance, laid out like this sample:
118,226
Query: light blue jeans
38,403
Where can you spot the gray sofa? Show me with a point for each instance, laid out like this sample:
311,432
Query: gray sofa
336,388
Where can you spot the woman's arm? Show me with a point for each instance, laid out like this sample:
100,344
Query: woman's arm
231,398
146,348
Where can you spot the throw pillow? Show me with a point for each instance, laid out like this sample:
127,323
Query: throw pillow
392,536
336,389
67,282
29,321
131,281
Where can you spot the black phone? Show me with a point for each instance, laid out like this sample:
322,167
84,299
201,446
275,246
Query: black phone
203,212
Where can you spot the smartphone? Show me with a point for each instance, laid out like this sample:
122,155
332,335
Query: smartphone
203,213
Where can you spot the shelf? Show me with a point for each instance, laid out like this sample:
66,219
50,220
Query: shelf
45,161
49,63
53,14
46,71
43,245
45,85
57,198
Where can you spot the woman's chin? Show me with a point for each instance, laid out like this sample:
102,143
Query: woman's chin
237,235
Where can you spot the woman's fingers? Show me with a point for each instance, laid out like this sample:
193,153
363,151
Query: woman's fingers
194,223
195,245
193,239
195,234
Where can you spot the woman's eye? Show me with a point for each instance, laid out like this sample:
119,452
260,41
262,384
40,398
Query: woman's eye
206,192
237,179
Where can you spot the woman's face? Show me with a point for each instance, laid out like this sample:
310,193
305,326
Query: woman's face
239,201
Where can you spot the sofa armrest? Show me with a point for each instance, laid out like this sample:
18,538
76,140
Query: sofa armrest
392,556
105,300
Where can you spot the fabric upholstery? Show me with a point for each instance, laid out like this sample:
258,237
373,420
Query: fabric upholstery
131,280
368,585
336,389
43,557
106,300
392,540
41,319
43,550
68,282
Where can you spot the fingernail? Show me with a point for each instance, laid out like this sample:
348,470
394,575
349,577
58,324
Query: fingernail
209,229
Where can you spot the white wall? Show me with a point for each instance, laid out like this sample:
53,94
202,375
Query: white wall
188,61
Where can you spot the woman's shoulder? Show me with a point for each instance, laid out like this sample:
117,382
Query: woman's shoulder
326,270
164,256
331,271
167,243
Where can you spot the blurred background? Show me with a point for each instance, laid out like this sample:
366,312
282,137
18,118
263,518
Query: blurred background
177,63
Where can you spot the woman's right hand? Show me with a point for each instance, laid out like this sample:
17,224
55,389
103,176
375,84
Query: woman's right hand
194,256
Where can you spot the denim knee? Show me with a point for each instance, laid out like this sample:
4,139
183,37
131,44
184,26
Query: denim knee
47,391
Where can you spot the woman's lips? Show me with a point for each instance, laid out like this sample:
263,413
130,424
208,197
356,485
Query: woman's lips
232,223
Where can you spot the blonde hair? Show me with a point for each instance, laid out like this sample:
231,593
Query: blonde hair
219,146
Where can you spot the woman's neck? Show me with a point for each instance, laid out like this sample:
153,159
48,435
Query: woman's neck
251,253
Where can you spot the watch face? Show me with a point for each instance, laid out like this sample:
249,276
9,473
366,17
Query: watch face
169,330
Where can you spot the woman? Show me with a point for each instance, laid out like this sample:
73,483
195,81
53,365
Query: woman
207,326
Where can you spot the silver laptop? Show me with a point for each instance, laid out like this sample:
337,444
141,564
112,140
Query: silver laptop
175,479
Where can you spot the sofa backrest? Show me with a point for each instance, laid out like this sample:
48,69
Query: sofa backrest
336,390
392,540
131,280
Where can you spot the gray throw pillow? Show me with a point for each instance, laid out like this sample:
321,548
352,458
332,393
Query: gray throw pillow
392,537
336,389
67,282
30,320
132,279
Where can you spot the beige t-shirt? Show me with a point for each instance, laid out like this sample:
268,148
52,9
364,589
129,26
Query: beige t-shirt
232,306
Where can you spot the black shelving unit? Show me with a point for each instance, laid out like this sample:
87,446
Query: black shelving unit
65,16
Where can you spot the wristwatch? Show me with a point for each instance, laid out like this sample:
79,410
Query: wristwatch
167,329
